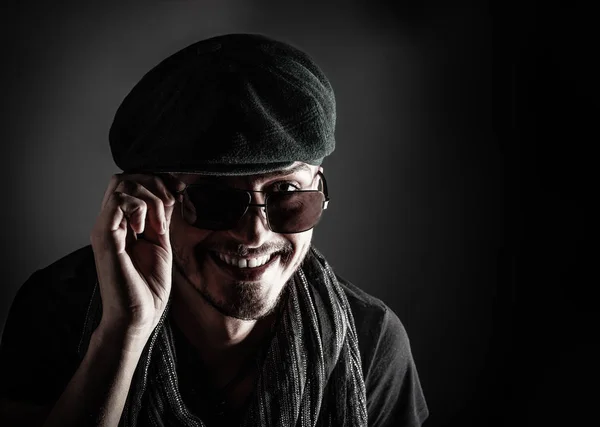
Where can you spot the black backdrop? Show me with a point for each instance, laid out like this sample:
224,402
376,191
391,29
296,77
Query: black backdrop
461,184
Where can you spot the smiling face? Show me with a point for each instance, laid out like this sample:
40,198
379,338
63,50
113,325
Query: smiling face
242,272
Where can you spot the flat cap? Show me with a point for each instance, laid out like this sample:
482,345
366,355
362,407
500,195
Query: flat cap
236,104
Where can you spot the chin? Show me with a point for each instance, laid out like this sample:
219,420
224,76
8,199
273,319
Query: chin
243,300
243,293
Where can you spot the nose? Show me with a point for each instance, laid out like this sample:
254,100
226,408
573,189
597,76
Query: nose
253,230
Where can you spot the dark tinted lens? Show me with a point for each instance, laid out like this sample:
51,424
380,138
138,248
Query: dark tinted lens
294,211
214,209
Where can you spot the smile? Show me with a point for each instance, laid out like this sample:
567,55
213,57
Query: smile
244,269
244,262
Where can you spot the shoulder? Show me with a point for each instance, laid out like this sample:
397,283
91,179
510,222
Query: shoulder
56,293
69,276
394,394
376,324
77,264
64,285
46,317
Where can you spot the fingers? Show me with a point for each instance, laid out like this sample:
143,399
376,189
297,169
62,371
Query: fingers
128,210
152,183
140,202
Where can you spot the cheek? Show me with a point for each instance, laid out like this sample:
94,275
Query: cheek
184,238
301,244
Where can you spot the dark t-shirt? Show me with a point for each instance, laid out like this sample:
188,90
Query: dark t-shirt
41,344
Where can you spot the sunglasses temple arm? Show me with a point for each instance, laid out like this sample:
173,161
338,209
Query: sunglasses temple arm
325,192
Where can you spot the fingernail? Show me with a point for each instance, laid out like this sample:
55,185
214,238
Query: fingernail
164,226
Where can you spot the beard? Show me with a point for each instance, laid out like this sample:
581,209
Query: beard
243,300
237,299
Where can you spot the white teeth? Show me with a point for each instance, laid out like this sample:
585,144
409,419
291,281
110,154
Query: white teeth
244,262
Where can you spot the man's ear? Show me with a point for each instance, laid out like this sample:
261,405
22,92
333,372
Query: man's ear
320,184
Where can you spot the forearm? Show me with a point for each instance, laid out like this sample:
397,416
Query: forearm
97,391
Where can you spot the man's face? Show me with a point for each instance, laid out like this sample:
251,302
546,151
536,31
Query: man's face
243,271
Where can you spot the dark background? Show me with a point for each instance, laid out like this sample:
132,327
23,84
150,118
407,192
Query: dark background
461,184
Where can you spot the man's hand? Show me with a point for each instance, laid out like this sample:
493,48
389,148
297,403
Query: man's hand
133,255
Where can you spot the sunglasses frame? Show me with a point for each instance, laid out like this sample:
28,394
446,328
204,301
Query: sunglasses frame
264,205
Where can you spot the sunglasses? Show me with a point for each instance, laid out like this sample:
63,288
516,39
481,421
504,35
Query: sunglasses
287,212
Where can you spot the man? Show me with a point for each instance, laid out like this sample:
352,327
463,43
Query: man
201,301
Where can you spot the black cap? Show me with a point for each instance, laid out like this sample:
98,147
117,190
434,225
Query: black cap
236,104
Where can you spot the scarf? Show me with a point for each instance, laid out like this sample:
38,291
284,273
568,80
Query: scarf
311,374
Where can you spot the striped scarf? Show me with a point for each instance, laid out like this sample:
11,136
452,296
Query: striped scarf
311,375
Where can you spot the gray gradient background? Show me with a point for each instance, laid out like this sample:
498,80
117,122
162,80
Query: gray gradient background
417,211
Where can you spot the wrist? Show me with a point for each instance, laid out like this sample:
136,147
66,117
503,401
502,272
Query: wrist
121,337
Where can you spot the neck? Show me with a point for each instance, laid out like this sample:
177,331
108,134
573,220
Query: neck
219,339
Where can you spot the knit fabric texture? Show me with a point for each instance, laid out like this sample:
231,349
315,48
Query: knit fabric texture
311,374
236,104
